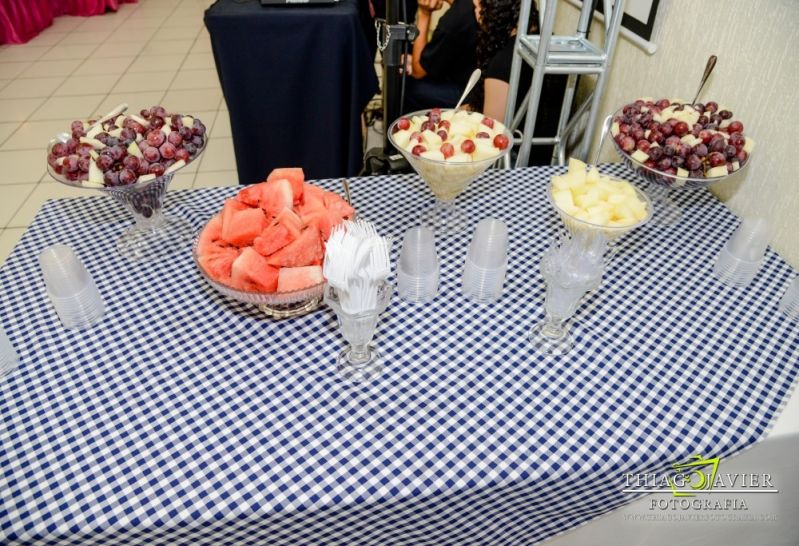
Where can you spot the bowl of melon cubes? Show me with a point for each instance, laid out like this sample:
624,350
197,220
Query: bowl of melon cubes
588,201
266,246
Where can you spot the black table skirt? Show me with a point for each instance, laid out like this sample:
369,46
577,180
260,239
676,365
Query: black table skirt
296,79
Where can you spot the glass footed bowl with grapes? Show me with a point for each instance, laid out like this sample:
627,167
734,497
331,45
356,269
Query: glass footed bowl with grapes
154,234
653,169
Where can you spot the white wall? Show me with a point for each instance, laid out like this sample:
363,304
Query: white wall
757,76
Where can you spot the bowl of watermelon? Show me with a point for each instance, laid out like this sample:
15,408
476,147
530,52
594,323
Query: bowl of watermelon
267,245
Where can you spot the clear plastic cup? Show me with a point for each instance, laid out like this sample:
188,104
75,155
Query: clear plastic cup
789,304
8,356
486,261
418,268
71,289
489,246
741,257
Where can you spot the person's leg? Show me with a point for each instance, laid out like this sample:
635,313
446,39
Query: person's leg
426,93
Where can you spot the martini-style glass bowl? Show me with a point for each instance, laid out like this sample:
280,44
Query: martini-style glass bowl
153,234
447,180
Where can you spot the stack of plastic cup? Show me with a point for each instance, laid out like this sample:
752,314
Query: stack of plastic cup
8,356
741,258
486,261
71,289
417,272
789,304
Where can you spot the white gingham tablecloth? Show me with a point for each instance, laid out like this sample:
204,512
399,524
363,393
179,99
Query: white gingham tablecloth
187,418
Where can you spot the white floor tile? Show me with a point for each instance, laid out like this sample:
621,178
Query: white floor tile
18,109
190,100
13,198
8,240
179,33
218,155
222,125
79,107
17,54
144,81
95,37
24,88
6,129
167,47
182,181
26,167
196,79
62,52
98,65
46,69
100,84
48,37
156,63
114,48
41,193
12,70
34,135
66,23
216,179
198,61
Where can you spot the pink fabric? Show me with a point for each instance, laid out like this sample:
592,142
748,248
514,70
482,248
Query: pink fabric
21,20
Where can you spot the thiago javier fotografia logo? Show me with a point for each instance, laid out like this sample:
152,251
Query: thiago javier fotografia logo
697,484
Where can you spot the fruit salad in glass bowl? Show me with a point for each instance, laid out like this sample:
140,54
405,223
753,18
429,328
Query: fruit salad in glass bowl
132,158
593,204
267,245
670,144
449,149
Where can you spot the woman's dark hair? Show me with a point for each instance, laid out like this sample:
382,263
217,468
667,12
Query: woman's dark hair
498,19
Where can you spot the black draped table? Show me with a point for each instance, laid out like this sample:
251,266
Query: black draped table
296,79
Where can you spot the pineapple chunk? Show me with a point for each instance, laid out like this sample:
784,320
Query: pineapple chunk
593,175
721,170
749,144
575,165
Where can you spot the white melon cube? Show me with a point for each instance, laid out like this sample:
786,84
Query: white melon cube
640,156
401,138
736,165
576,166
433,154
749,144
592,176
96,144
715,172
614,128
133,149
95,174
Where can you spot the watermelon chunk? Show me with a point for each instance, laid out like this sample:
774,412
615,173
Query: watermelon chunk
290,221
297,278
251,195
251,272
211,232
306,250
296,178
231,207
273,239
276,196
217,261
339,206
242,227
323,220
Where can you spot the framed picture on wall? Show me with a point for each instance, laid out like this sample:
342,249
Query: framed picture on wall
639,16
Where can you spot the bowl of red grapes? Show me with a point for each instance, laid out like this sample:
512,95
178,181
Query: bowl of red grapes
125,149
674,144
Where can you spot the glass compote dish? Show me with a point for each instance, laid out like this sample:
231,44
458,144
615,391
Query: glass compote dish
448,177
153,234
660,181
278,305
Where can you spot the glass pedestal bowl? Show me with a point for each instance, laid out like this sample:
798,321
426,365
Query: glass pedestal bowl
660,183
447,180
153,234
587,232
277,305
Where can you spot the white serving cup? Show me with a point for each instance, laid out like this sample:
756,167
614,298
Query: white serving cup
741,257
71,289
486,262
418,267
8,356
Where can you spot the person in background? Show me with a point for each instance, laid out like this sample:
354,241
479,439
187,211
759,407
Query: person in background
440,68
496,40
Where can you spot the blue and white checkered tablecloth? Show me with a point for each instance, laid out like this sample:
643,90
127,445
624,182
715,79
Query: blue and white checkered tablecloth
187,418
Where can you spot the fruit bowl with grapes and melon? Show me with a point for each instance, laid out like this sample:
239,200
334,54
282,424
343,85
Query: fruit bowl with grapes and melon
671,144
266,246
594,205
132,158
449,149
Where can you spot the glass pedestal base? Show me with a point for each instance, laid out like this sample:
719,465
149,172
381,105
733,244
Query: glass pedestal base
289,310
143,242
666,212
445,219
551,341
357,368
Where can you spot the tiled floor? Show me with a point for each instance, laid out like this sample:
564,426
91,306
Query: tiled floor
153,52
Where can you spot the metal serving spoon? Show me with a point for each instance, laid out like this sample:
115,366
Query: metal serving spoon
711,64
473,79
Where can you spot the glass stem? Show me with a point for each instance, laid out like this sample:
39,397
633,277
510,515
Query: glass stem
553,327
359,353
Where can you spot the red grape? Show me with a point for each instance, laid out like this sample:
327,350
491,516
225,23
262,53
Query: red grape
444,124
198,128
182,154
447,149
735,127
167,150
157,169
725,114
151,154
628,144
716,158
426,126
418,149
467,146
443,134
435,115
127,176
131,162
482,134
742,156
403,124
59,149
155,138
693,162
111,178
175,139
642,145
501,142
488,122
104,162
737,140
